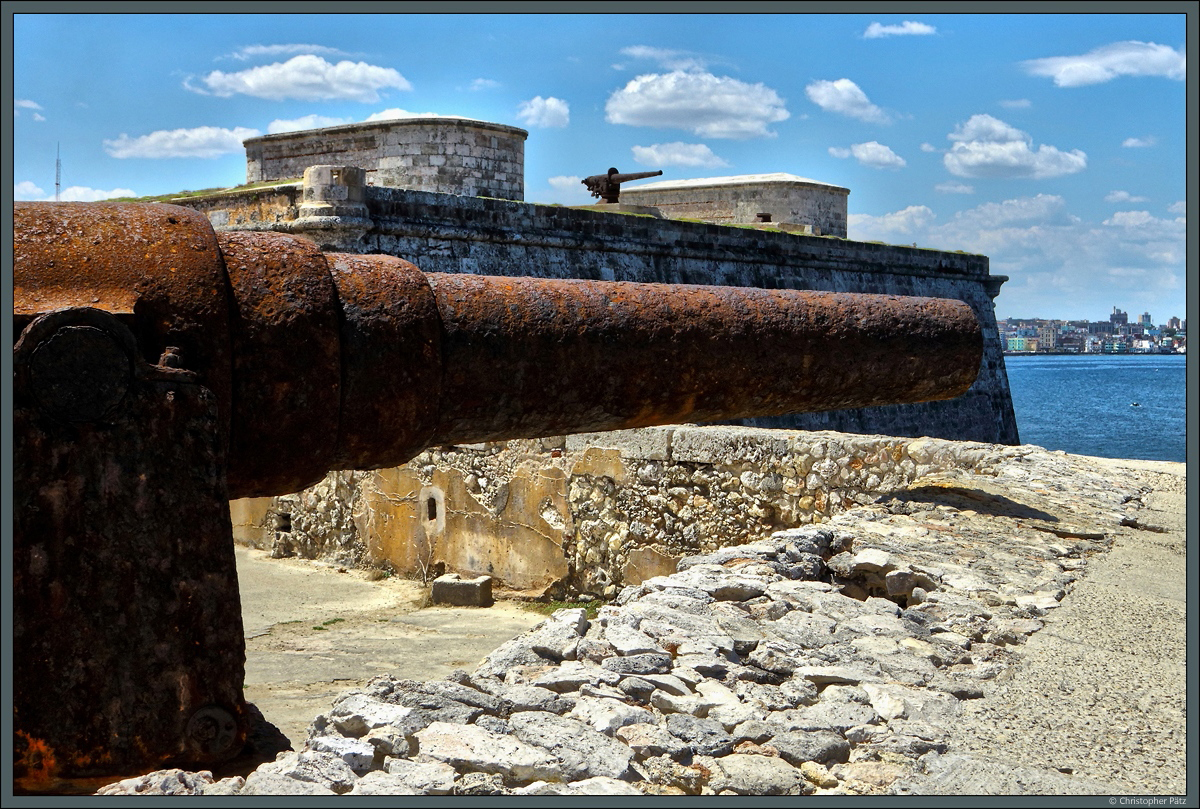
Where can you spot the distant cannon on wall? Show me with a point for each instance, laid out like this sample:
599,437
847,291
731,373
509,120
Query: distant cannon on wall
161,369
607,186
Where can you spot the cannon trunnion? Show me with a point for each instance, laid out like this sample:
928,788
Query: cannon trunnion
161,369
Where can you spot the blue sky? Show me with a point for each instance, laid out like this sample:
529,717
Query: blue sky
1052,143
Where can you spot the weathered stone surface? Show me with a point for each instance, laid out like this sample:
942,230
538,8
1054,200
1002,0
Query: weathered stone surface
607,715
572,675
531,698
648,740
426,777
162,782
665,772
383,783
706,737
356,714
472,749
654,663
840,707
456,591
581,751
265,782
557,638
359,755
479,783
822,747
752,775
325,770
726,707
629,641
507,657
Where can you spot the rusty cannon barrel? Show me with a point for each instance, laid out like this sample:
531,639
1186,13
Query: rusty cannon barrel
323,362
161,368
607,186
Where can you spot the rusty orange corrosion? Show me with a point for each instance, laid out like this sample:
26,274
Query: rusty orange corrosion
334,361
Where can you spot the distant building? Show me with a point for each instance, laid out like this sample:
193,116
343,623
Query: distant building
1145,320
782,199
1118,318
444,154
1049,335
1173,323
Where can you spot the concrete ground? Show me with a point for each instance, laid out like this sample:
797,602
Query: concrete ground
313,631
1098,703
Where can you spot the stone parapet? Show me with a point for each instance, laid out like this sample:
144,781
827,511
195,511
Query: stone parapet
590,513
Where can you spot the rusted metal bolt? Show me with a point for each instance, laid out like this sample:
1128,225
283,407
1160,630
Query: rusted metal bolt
212,731
171,358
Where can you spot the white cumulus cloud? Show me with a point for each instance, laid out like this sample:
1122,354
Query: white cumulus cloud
667,58
705,105
564,190
845,98
1139,143
564,183
546,112
907,28
1130,219
26,190
305,78
1016,103
872,154
1130,58
1179,207
911,221
395,112
25,104
310,121
1122,196
954,188
202,141
484,84
928,147
273,51
677,154
81,193
988,147
1050,254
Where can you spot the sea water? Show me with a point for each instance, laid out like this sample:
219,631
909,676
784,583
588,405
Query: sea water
1113,406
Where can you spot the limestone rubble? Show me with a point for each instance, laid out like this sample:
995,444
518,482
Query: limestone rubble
834,658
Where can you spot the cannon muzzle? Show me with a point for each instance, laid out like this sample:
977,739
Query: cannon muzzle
162,368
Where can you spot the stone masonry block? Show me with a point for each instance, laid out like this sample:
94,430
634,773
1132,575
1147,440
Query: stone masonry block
456,591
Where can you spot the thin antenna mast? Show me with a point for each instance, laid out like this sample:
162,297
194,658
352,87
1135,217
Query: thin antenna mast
57,171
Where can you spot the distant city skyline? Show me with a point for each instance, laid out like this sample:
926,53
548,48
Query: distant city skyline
1156,320
1052,143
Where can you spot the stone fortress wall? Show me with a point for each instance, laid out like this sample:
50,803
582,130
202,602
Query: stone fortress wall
786,199
445,155
589,513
